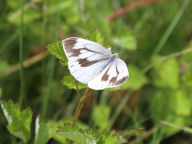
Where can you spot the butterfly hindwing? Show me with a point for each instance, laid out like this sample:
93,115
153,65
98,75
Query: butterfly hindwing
85,57
113,75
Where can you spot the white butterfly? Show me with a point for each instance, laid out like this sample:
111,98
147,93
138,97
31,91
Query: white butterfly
92,64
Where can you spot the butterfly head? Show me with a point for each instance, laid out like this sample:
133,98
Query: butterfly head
115,54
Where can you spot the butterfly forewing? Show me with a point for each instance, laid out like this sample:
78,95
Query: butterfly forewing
85,58
115,74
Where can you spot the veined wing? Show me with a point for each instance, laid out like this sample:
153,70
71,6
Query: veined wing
114,75
85,57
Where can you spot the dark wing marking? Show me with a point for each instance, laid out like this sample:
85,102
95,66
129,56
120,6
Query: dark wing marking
114,75
114,80
122,80
86,63
105,76
85,58
69,45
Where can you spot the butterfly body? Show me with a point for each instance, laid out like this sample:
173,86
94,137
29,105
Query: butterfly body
111,60
93,64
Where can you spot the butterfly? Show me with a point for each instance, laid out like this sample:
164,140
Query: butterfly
91,63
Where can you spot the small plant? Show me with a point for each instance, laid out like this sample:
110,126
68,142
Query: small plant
19,122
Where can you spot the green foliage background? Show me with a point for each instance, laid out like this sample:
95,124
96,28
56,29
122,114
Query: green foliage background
156,101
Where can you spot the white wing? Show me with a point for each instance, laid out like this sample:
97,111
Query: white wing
85,58
114,75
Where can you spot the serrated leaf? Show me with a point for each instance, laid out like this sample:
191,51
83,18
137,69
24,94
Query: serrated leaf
19,121
97,37
53,128
79,138
88,136
42,134
57,50
69,81
168,74
109,137
101,116
75,134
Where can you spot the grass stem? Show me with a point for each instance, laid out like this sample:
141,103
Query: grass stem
80,104
119,108
22,89
170,28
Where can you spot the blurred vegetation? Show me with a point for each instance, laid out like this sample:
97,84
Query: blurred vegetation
153,106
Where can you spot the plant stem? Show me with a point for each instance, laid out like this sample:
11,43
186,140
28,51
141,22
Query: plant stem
48,90
170,28
78,95
145,136
130,7
22,90
27,62
119,108
80,104
164,58
186,129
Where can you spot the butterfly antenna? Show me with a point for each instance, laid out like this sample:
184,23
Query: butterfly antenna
133,52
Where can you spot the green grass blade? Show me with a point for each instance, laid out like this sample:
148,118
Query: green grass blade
170,28
120,108
22,89
50,66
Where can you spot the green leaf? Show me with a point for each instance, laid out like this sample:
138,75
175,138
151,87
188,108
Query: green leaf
136,79
168,74
187,76
57,50
126,41
101,116
42,134
109,137
97,37
181,103
77,137
69,81
159,105
19,121
49,129
165,105
75,134
88,136
177,120
53,128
